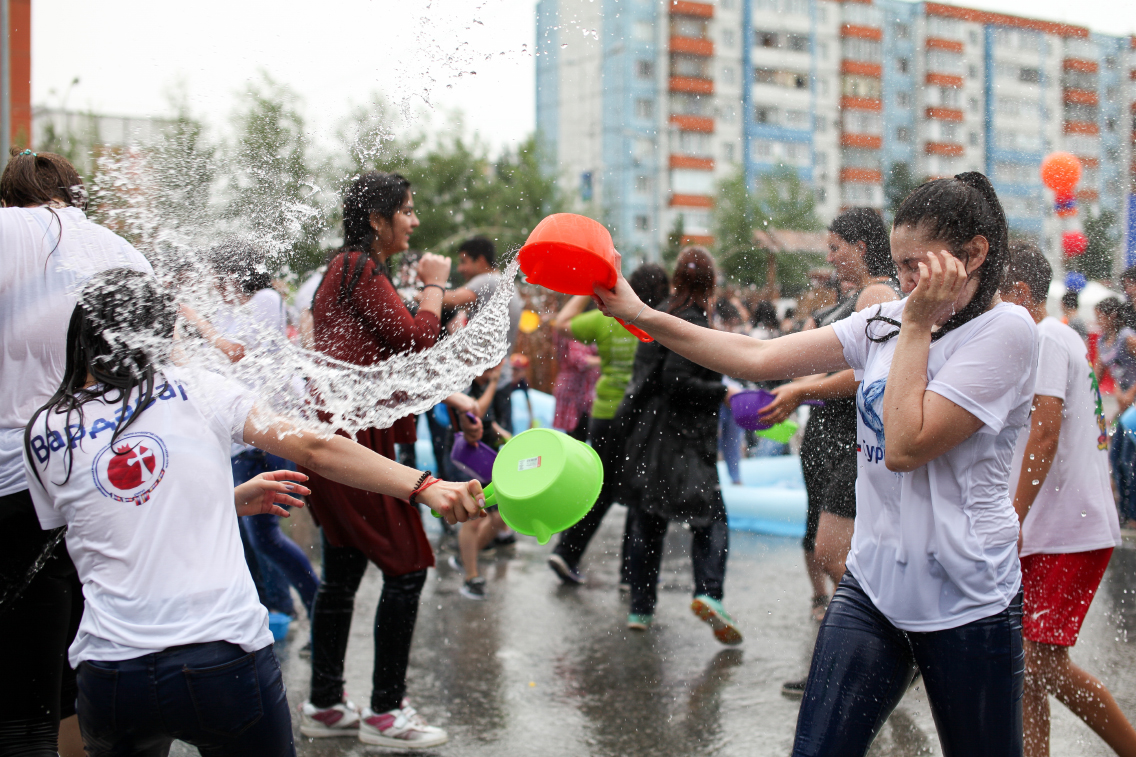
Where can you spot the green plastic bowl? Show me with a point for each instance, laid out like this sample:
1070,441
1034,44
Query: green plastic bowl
782,432
544,482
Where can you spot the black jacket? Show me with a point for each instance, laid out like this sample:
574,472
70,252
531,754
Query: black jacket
668,426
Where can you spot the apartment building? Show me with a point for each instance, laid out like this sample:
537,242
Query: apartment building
645,105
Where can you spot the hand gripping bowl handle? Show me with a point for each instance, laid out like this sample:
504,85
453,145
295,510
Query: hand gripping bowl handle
487,492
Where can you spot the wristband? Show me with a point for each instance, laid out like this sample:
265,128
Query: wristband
427,286
421,480
633,320
423,488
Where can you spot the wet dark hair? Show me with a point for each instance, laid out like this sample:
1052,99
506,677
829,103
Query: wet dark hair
1070,300
115,304
373,192
693,280
241,262
32,179
1128,275
764,314
1111,307
955,211
1030,267
480,247
650,283
865,225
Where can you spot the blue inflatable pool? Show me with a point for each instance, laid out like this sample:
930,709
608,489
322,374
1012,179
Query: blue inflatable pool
771,499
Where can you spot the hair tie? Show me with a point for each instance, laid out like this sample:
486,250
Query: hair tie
29,152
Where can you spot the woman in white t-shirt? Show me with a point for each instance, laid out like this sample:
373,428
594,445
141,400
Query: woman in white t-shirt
933,576
132,455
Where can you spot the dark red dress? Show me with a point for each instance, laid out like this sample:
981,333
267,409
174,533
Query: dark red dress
366,327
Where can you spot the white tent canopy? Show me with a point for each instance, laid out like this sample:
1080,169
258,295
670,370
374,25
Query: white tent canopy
1093,293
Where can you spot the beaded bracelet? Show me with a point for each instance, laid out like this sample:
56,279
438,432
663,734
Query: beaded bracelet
422,488
427,286
417,486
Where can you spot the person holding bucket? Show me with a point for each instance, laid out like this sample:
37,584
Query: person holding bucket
670,469
933,581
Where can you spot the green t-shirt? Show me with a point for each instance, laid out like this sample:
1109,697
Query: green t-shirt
617,348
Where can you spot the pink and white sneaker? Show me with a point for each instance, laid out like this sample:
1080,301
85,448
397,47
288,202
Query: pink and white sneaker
321,722
403,728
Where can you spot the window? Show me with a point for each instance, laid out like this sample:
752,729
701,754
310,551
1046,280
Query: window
691,143
688,26
822,195
948,131
728,114
902,65
641,150
944,62
797,153
761,149
797,42
860,86
643,185
691,182
820,126
644,108
975,139
1110,124
860,194
728,75
903,134
797,119
901,30
695,221
1029,75
642,223
727,5
690,65
728,38
765,39
862,14
903,99
947,97
788,79
948,28
763,114
973,36
854,48
728,152
869,159
862,122
973,104
645,69
821,159
1080,112
972,71
643,31
822,50
1079,80
687,104
586,186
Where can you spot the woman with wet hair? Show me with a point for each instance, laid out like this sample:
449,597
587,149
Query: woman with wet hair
670,456
131,454
48,248
933,580
359,318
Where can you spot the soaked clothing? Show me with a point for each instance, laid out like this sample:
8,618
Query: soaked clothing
359,318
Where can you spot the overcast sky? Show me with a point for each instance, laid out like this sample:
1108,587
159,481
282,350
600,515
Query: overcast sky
130,55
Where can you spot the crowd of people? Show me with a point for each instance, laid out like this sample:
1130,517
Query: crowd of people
960,507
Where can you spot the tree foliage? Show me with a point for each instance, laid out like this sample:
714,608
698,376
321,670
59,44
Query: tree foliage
1103,232
899,181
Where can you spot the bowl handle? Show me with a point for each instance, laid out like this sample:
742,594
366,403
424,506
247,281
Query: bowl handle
490,498
636,331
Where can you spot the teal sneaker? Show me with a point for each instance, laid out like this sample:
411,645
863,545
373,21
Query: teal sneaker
711,611
638,622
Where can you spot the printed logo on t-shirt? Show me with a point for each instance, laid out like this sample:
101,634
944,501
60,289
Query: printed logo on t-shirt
869,398
131,468
1102,424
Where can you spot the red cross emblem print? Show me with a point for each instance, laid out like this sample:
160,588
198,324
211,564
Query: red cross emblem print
130,469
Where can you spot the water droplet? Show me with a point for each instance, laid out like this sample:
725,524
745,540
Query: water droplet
564,46
1031,457
1084,514
1036,482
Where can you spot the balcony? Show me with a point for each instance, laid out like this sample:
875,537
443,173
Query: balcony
1081,127
691,201
692,46
945,80
688,8
1081,65
847,102
1088,162
944,114
862,141
861,176
702,240
949,45
1081,97
861,32
861,68
946,149
690,161
1087,195
703,124
692,84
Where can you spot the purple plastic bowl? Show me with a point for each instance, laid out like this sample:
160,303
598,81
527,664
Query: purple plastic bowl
747,405
473,460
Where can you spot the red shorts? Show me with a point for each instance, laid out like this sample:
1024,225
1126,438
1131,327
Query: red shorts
1057,592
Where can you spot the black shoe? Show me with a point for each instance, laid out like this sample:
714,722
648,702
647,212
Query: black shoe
505,538
794,689
566,572
474,588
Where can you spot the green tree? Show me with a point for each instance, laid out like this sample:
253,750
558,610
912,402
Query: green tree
674,242
1104,238
786,202
899,181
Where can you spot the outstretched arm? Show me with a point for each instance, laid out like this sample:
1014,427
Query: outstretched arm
737,355
1041,449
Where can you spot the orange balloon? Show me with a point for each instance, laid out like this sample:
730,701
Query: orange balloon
1060,171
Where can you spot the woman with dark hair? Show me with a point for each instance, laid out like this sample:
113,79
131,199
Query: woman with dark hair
933,581
49,248
859,250
617,348
131,454
359,318
670,467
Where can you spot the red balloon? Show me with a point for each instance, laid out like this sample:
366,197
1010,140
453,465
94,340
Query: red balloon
1060,171
1074,243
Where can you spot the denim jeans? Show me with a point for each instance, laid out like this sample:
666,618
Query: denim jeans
343,569
862,666
1122,455
709,547
215,696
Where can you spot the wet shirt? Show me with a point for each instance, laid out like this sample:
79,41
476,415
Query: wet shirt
936,548
48,254
616,347
1074,509
1120,362
151,523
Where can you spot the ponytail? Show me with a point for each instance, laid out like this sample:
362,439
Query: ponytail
955,211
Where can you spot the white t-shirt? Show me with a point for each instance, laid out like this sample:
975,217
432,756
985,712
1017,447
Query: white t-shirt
936,548
484,285
151,524
40,275
1074,510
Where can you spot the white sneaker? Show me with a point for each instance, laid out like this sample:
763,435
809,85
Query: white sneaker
320,722
403,728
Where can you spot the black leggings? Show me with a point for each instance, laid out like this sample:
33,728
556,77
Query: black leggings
38,686
862,665
343,569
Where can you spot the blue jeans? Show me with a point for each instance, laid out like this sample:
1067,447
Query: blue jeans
862,665
215,696
1122,456
279,560
730,442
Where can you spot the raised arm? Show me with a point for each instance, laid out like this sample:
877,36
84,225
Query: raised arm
1041,449
736,355
574,306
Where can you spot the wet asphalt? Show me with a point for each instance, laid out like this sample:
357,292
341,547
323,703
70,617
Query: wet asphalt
543,669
